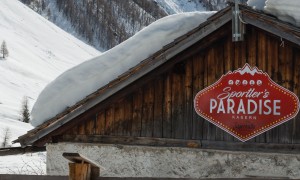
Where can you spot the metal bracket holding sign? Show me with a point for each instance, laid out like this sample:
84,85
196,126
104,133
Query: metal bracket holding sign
246,103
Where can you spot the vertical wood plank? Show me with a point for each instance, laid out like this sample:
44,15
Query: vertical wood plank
147,119
72,131
228,54
262,51
240,54
206,124
296,121
177,101
251,38
272,70
237,60
109,123
119,117
244,53
188,89
100,124
219,66
167,107
137,106
89,126
158,107
198,83
81,128
211,72
127,123
290,66
286,70
262,65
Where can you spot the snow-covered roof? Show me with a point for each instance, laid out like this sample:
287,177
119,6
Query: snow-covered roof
84,79
285,10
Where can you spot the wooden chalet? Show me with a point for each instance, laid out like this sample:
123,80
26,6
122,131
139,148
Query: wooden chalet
152,103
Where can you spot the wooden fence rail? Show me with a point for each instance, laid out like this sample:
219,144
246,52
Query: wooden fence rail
31,177
39,177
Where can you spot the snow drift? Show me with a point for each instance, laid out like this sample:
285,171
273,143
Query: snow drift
84,79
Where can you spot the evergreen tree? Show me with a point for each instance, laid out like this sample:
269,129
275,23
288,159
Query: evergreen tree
25,111
3,50
6,137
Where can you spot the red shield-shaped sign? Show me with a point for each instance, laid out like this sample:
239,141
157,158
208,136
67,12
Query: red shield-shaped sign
246,103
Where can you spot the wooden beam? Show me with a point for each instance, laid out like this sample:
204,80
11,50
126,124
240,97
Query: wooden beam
40,177
123,140
20,150
79,158
249,146
166,142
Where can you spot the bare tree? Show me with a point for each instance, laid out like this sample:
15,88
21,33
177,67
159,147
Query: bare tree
6,137
4,50
30,167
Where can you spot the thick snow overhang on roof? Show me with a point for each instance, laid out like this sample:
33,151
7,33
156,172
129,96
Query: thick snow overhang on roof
271,24
250,16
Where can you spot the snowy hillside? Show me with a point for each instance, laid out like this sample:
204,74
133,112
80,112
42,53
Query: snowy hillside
179,6
38,52
105,24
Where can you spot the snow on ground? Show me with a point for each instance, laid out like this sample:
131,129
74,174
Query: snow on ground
32,163
93,74
285,10
38,52
179,6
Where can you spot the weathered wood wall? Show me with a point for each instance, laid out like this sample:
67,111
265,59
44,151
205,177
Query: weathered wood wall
162,106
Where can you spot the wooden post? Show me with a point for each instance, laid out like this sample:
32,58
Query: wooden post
81,168
79,171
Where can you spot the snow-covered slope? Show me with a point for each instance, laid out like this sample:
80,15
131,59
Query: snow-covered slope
104,24
179,6
91,75
38,52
